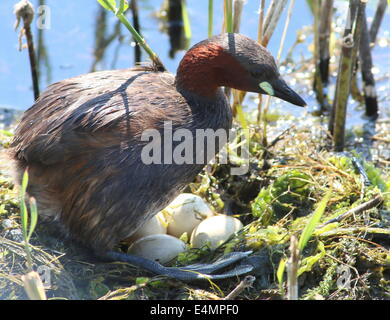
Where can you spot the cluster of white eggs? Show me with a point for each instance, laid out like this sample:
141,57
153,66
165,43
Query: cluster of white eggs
158,239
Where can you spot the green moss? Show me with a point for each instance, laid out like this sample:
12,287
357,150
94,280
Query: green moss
272,235
326,285
287,194
97,288
376,177
342,163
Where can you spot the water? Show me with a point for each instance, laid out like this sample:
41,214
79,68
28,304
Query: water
70,43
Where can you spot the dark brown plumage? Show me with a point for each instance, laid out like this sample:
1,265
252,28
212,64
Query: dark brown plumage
81,140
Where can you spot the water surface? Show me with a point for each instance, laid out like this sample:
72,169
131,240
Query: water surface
70,45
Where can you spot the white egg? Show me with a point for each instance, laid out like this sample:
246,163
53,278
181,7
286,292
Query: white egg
185,213
158,247
156,225
214,231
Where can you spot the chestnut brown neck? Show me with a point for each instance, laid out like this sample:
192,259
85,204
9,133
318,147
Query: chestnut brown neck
206,67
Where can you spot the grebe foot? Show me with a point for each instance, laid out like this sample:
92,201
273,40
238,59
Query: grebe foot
192,272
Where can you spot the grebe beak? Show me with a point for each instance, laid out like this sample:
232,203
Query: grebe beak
280,89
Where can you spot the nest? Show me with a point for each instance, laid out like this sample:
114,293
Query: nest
346,257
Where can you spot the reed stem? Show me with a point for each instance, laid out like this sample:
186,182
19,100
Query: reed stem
137,49
137,37
347,62
292,270
238,96
379,14
186,21
351,16
210,23
141,41
238,6
24,10
33,64
260,40
229,15
366,63
281,46
322,54
272,18
318,83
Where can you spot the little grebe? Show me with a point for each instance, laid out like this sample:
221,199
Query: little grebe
82,142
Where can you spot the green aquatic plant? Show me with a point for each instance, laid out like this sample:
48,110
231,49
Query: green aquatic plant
306,264
27,227
186,21
119,11
287,194
31,281
210,18
228,8
376,177
272,235
313,222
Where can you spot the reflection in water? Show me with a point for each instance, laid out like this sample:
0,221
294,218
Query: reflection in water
102,40
42,55
137,48
171,16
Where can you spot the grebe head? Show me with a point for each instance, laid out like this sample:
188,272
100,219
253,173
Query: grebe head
236,61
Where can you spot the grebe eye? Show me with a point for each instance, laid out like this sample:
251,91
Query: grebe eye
255,74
